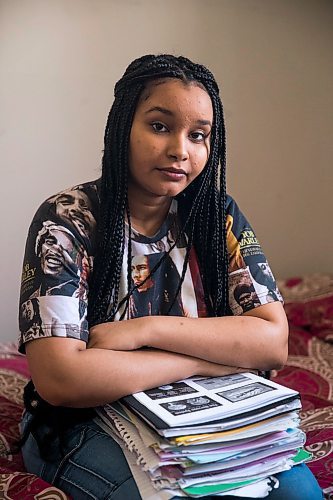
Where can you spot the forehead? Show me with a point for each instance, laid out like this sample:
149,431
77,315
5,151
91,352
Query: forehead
178,96
59,236
71,196
139,260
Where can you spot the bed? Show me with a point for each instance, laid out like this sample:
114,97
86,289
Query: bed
309,306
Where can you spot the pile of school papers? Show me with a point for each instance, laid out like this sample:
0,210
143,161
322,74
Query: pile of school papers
205,436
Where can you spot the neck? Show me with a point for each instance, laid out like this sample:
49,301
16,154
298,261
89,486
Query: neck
147,216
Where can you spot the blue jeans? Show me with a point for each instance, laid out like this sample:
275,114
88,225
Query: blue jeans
94,467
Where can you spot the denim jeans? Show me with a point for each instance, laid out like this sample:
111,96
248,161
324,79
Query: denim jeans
94,467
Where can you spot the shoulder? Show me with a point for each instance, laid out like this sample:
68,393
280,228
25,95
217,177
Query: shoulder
232,207
236,222
75,208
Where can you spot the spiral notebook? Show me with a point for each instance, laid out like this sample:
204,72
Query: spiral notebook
206,405
141,459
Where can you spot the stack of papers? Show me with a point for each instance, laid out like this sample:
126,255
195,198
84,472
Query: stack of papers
208,436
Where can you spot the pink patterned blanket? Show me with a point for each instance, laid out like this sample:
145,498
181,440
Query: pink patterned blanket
309,306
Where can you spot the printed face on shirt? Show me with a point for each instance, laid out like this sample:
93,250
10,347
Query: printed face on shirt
140,271
169,140
246,301
56,252
74,206
263,274
27,310
266,270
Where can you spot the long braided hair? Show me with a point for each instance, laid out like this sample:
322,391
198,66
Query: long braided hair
201,205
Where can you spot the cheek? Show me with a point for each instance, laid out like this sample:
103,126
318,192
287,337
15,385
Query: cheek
68,251
199,162
135,154
207,150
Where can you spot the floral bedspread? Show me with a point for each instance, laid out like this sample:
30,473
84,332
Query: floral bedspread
15,483
309,306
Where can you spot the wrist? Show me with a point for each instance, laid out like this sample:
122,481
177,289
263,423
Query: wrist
151,330
197,366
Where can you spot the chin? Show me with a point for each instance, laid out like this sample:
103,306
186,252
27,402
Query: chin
171,192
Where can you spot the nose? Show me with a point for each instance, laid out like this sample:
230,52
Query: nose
74,206
56,248
177,148
135,274
74,210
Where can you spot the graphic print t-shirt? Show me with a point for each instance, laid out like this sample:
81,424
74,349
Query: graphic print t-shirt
59,260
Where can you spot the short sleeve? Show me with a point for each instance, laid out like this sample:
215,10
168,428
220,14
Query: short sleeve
56,268
251,281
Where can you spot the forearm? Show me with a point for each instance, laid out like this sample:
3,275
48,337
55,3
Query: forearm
65,373
246,341
256,340
118,373
92,377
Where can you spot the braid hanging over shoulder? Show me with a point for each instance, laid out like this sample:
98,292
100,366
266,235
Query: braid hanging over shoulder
201,205
201,208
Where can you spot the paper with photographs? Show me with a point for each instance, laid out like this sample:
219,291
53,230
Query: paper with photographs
203,399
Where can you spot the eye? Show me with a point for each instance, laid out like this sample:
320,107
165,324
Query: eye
83,205
65,200
159,127
50,240
198,136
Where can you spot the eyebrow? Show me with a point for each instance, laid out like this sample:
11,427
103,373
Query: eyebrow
65,197
167,112
161,110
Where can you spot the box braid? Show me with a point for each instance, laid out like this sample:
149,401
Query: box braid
201,209
201,205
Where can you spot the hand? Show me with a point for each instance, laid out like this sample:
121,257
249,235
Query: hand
126,335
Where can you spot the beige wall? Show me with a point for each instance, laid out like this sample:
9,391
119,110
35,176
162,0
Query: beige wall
59,61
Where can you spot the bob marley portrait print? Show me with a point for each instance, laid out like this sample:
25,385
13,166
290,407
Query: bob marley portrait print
57,266
155,294
74,206
59,257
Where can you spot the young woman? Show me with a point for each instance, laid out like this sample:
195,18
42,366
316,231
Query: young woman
162,193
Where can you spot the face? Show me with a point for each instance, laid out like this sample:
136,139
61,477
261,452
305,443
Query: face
75,207
140,271
266,270
27,310
55,252
246,301
170,139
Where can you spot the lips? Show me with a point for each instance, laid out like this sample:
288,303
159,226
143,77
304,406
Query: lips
53,261
173,174
173,170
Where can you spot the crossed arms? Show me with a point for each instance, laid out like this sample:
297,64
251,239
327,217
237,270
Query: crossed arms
68,372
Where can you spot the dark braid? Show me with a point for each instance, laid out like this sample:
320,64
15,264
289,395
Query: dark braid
201,205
